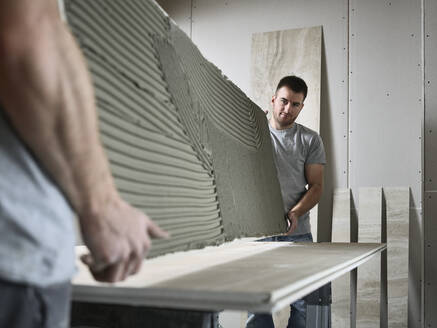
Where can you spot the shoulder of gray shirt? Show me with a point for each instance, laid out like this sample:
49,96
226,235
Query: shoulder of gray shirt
316,149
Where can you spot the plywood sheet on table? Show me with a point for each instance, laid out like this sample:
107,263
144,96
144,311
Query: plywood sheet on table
397,209
369,274
167,119
289,52
341,229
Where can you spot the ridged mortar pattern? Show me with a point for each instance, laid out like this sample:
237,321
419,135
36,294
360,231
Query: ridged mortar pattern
162,107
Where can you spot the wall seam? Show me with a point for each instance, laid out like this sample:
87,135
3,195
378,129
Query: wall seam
423,176
348,95
191,19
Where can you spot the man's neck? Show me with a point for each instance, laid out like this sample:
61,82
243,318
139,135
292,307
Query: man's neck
274,124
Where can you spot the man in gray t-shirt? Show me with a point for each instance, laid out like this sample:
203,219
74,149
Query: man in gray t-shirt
299,155
300,158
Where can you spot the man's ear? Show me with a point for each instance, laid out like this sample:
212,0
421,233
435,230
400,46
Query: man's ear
273,98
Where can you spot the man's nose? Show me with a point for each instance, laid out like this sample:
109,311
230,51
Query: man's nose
287,108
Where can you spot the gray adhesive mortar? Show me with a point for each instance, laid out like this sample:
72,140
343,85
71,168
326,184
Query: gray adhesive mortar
247,185
185,144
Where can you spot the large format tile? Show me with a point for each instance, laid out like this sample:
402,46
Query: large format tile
397,207
184,143
369,274
286,52
289,52
341,226
243,276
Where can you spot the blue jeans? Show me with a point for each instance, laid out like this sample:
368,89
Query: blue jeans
34,307
297,317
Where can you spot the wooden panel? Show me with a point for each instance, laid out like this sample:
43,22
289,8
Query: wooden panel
254,276
341,223
397,208
369,282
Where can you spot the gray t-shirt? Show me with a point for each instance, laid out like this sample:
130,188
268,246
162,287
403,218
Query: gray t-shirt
36,222
294,148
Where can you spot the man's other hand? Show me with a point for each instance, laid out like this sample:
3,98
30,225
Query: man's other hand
119,238
292,222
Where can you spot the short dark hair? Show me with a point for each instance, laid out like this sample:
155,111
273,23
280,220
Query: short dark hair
294,83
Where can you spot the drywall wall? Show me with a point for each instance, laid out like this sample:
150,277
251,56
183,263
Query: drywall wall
386,111
430,156
184,143
371,91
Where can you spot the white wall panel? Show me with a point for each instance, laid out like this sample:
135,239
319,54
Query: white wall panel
180,12
385,99
430,155
386,107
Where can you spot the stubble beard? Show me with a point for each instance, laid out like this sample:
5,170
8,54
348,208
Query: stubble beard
284,122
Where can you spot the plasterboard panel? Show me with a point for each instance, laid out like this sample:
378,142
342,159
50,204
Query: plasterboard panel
430,39
341,222
430,232
369,274
179,11
386,108
430,174
430,156
398,214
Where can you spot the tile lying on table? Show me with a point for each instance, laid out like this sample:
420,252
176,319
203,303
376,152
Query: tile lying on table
242,276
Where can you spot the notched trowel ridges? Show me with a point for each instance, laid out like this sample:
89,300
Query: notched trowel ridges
185,144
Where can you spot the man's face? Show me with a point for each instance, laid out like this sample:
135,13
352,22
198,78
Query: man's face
286,106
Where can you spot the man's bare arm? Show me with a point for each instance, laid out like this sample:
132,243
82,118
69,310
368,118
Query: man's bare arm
314,176
46,92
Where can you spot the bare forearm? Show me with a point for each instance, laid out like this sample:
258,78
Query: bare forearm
309,200
53,111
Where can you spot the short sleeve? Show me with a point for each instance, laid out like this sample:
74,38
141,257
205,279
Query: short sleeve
316,153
